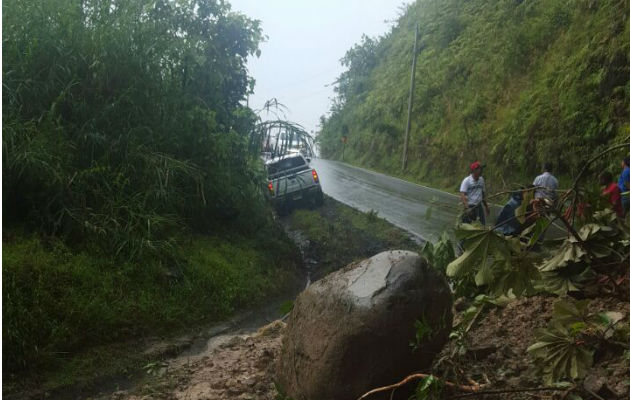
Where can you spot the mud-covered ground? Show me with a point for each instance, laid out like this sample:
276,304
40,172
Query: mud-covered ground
242,366
496,351
234,366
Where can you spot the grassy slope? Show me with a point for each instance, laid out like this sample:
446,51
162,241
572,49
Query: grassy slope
339,235
60,302
511,83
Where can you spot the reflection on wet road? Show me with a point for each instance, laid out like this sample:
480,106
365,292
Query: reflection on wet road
402,203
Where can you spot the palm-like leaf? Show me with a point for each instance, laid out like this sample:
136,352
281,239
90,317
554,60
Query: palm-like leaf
561,352
483,246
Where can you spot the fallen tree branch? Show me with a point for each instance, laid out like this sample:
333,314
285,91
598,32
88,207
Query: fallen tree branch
499,391
413,377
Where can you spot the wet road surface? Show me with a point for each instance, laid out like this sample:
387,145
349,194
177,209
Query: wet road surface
402,203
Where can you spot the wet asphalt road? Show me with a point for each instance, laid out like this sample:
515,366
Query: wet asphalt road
402,203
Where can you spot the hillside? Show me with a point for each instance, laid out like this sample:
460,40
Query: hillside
132,195
513,83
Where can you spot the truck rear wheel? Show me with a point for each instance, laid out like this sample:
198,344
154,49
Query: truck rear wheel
319,198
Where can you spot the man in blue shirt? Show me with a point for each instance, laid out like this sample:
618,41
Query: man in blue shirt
507,223
624,184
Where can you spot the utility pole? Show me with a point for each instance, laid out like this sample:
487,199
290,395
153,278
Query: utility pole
411,89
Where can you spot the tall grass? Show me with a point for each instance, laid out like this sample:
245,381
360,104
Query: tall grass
57,301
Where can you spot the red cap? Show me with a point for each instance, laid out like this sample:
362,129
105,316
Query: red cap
475,165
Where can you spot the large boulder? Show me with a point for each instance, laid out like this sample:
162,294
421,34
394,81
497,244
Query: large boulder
351,331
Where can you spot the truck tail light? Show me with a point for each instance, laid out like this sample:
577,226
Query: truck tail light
315,177
270,186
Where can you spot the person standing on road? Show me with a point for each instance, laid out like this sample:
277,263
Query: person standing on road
546,184
472,193
624,184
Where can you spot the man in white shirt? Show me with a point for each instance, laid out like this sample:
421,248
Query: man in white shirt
472,193
546,184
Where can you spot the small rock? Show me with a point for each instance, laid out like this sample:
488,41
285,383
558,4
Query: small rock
250,381
594,383
271,329
235,390
481,352
514,382
218,385
119,394
461,304
235,341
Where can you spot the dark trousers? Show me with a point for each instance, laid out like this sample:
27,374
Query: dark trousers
625,204
473,213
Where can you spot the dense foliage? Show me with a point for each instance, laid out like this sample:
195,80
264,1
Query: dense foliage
132,200
123,123
513,83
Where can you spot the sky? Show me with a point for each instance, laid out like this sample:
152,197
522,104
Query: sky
306,39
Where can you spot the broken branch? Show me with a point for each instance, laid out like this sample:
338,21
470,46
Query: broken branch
413,377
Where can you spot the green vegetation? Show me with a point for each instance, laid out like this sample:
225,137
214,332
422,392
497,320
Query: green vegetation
58,301
512,83
591,261
132,196
339,235
566,347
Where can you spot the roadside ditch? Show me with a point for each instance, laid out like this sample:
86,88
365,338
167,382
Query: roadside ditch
225,359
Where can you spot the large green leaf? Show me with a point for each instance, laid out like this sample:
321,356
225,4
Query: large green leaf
564,280
536,230
482,247
565,348
569,252
569,312
561,352
518,277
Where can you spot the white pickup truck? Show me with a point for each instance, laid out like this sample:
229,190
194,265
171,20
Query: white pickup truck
291,180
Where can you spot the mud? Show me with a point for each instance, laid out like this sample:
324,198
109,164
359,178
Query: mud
497,349
236,366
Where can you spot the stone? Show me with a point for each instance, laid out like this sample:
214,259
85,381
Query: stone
594,382
481,351
351,331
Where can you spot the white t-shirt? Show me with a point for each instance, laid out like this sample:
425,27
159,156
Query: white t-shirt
473,189
549,183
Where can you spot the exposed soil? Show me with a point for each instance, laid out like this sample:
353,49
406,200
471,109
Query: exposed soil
496,350
241,366
233,367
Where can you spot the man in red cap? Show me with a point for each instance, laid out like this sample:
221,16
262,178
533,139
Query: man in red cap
473,193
